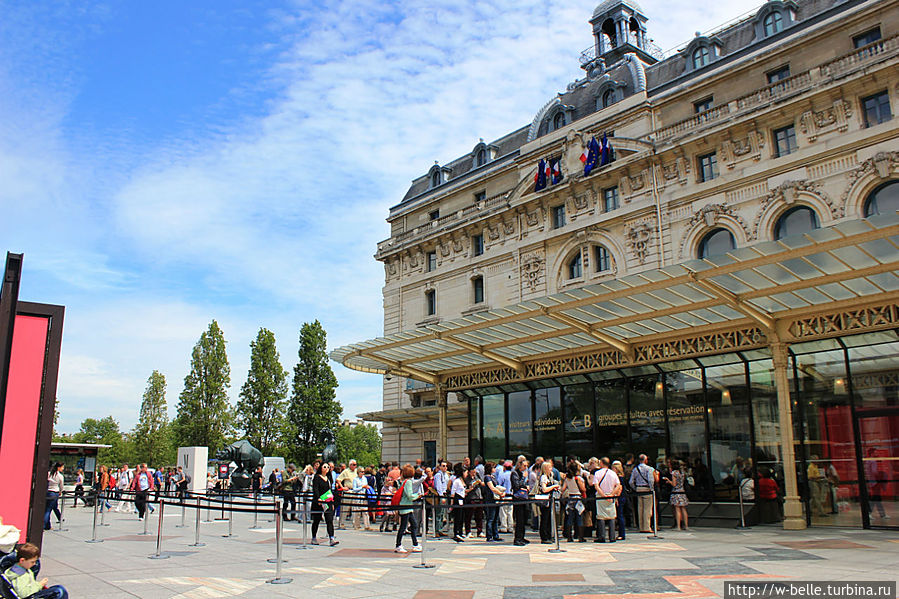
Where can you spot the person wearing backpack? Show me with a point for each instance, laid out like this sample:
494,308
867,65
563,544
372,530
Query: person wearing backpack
405,496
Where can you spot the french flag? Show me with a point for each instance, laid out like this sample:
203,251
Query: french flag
606,151
556,172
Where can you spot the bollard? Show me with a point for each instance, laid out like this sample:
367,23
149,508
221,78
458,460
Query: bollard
158,554
742,525
197,542
655,517
552,511
278,549
62,512
94,538
424,534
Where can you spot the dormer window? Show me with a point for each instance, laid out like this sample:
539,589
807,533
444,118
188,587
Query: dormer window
773,23
481,158
435,179
608,98
701,57
558,121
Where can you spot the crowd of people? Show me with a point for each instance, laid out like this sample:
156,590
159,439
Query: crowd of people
599,499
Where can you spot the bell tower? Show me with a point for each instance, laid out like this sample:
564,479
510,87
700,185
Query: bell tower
619,28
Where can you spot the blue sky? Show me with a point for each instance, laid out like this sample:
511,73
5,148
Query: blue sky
163,164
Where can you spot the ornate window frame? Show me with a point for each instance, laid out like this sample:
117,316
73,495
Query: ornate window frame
438,175
713,44
786,10
584,243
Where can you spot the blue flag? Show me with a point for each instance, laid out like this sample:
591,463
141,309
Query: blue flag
540,177
593,152
606,151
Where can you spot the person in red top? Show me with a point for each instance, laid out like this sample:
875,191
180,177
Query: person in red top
142,485
767,498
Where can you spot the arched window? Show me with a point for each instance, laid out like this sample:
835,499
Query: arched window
883,200
558,121
481,159
574,267
435,178
608,98
796,221
603,258
701,57
716,243
773,23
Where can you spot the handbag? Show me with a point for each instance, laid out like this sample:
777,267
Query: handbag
588,519
605,508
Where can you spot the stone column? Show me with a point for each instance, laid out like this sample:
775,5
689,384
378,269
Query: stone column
441,422
793,518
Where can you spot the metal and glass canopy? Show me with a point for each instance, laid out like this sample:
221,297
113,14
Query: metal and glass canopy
823,283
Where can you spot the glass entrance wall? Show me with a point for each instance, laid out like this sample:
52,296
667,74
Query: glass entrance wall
719,414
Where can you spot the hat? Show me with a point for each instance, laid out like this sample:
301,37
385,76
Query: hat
507,464
616,462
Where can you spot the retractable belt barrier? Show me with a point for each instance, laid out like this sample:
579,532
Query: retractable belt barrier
254,503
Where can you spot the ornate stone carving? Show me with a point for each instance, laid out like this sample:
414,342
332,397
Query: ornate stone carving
639,236
458,244
509,227
881,164
750,146
572,147
708,216
787,192
532,266
836,117
443,247
492,231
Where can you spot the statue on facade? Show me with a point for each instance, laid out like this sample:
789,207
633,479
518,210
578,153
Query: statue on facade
329,453
247,458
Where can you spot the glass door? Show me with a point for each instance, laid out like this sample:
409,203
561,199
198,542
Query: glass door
879,441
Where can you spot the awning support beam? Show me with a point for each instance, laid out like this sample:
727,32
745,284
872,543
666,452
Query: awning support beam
736,302
400,369
622,346
510,362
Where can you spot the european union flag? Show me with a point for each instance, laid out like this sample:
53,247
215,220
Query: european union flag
593,154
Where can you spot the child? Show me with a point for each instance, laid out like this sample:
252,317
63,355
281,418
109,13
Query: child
21,576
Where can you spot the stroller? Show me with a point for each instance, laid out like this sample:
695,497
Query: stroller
7,561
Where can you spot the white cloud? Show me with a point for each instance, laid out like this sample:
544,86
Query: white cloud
272,220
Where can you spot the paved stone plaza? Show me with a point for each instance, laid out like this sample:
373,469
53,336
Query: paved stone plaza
681,565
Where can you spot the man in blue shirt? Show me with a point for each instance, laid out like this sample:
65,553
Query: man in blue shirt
503,474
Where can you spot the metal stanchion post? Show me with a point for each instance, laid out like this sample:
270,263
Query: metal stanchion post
183,510
424,534
655,516
552,511
230,524
146,520
62,512
255,511
94,538
305,521
158,554
197,542
208,509
742,517
278,549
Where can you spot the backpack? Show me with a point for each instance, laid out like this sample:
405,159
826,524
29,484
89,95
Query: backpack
397,495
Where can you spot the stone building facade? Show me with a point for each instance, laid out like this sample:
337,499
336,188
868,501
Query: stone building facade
773,126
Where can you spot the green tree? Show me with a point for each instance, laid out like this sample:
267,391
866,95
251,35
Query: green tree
204,415
105,431
151,434
260,409
361,443
313,406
